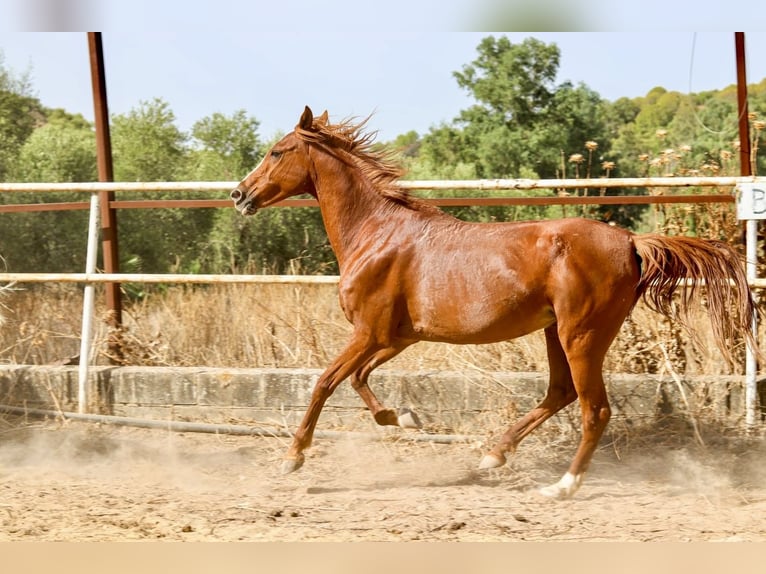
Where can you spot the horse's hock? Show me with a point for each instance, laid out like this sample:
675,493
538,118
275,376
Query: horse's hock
461,402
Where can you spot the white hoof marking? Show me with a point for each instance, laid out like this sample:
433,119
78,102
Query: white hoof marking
564,488
407,419
291,465
491,461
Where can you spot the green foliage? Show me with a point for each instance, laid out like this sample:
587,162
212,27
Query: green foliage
146,143
59,151
48,241
444,147
521,126
512,82
524,125
225,147
289,240
522,122
148,146
63,149
20,112
407,145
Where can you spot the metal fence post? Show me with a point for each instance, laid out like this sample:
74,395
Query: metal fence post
87,307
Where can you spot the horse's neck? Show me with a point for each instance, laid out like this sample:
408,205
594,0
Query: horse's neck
348,202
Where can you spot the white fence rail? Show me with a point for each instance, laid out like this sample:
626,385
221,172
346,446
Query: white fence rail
165,278
472,184
89,277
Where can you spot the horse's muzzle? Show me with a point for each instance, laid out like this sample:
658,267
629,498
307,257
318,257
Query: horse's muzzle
242,203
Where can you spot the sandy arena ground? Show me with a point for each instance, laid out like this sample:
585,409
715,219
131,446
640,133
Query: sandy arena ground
81,482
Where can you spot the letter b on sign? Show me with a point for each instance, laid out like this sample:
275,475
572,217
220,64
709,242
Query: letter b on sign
751,201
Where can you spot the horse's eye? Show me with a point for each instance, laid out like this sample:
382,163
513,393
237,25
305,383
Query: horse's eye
276,154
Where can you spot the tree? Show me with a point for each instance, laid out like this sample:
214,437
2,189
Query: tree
20,113
148,146
522,123
146,143
444,147
62,150
284,240
225,148
512,82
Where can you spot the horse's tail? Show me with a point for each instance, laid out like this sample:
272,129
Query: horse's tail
683,264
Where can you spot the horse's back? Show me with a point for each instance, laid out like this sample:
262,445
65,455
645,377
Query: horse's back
537,248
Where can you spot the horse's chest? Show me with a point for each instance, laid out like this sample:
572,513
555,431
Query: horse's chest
364,299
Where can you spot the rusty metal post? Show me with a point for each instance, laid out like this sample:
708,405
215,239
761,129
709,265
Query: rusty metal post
745,165
105,173
744,122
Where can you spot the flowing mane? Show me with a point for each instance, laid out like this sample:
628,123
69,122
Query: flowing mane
376,163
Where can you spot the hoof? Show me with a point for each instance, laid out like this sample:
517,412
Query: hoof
555,492
564,488
408,419
291,464
491,461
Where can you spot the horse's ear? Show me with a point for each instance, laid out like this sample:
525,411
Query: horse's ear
323,119
307,119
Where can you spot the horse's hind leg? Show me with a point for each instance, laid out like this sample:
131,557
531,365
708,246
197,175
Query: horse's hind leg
402,417
595,416
586,355
561,392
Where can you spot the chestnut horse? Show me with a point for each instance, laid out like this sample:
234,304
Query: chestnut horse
410,272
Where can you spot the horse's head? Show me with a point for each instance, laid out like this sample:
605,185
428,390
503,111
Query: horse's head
284,171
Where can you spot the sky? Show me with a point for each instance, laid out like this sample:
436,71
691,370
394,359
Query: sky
271,62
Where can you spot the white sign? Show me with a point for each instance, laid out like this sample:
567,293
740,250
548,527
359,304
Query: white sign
751,201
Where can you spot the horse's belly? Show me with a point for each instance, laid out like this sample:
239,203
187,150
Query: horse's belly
480,321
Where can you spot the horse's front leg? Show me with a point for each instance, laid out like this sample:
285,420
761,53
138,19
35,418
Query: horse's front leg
403,417
356,354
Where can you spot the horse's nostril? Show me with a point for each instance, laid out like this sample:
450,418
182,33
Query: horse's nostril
235,195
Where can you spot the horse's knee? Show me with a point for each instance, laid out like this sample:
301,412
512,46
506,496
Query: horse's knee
604,413
596,417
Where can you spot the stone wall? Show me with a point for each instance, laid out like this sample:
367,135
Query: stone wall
463,402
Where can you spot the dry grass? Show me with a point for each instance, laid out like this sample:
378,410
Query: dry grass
303,326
